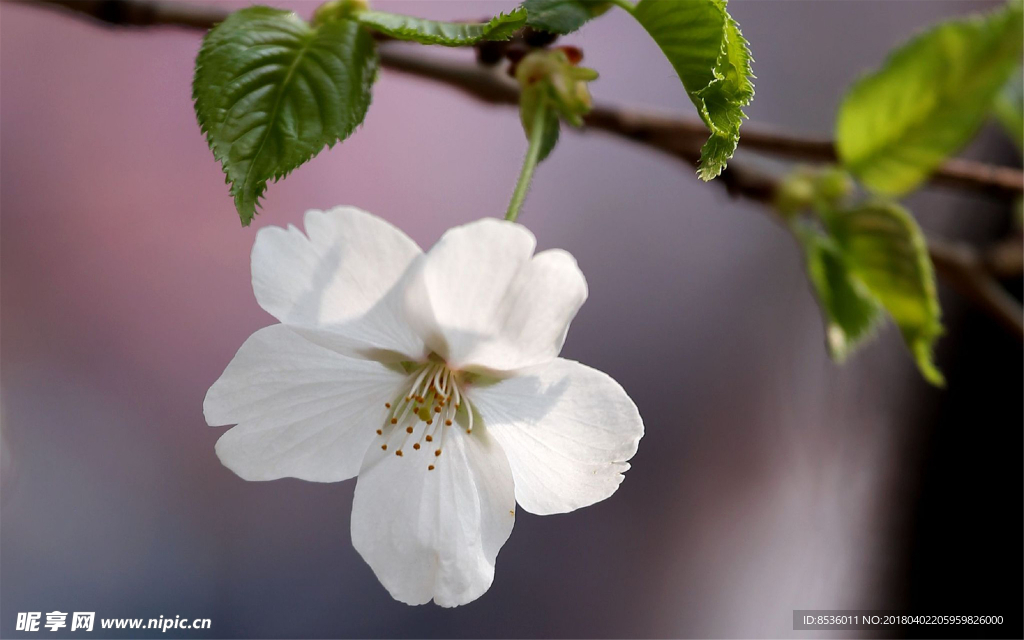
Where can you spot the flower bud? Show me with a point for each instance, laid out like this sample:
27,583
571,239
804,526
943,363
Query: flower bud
795,192
812,188
553,75
834,184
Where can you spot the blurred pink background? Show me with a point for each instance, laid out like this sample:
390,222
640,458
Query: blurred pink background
769,478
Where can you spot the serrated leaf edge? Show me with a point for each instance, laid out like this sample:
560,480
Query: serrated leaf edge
499,28
710,167
372,65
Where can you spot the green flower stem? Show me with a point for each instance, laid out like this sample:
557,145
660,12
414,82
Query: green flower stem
530,163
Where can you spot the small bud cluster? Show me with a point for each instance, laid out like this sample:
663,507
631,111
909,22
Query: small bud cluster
554,76
812,188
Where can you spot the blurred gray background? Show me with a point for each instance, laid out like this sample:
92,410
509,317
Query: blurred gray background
769,478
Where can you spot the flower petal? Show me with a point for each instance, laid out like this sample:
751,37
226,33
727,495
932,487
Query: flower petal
567,431
434,534
339,285
481,302
302,410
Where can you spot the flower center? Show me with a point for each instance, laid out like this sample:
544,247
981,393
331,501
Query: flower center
425,412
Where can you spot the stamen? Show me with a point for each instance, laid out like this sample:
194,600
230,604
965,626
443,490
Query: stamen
444,383
419,380
428,431
404,413
434,394
440,445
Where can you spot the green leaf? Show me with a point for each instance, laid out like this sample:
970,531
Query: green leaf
886,251
898,124
1009,108
851,313
271,92
712,58
562,16
449,34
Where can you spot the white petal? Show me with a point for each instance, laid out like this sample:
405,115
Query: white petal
434,534
302,410
481,302
567,431
339,285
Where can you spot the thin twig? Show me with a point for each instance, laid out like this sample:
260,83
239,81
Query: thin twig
1005,259
965,270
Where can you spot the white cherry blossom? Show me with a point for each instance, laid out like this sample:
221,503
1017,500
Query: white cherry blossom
433,377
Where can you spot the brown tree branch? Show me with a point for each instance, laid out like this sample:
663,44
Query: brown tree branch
668,131
141,13
486,84
972,274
